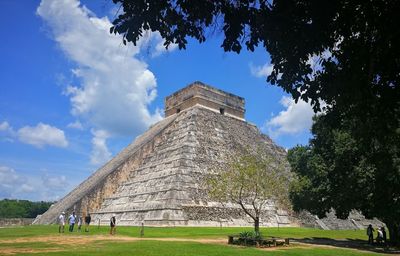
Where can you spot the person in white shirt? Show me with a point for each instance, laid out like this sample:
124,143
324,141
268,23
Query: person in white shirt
61,222
71,220
379,237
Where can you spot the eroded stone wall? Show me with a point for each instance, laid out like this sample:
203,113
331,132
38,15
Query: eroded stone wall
90,194
167,188
355,221
159,179
5,222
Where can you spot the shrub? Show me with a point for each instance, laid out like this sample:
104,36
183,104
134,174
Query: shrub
248,238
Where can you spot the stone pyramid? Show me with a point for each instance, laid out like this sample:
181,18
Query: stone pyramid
159,178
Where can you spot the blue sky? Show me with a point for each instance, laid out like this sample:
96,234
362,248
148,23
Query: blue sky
72,95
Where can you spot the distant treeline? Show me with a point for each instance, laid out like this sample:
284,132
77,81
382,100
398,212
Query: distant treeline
22,208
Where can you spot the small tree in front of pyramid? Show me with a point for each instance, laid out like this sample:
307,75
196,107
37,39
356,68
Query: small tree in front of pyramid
251,180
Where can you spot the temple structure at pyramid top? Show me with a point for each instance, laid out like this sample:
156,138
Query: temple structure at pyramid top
206,96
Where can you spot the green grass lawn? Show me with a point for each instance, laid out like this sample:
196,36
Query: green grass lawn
149,248
161,248
185,232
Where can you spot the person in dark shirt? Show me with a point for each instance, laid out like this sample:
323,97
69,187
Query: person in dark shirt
112,225
370,234
88,219
383,234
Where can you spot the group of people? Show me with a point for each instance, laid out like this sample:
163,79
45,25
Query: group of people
72,220
380,237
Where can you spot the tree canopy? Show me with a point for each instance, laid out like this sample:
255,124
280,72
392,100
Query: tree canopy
22,208
335,51
252,181
339,171
342,56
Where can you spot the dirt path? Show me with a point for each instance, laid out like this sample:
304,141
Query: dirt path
358,245
60,239
83,240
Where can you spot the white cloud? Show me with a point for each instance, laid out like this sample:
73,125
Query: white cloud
114,11
115,86
8,178
153,44
261,71
55,182
7,132
4,126
41,135
100,153
14,185
75,125
315,62
26,188
296,118
160,48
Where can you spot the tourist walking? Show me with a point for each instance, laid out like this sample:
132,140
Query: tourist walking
71,221
112,225
383,234
61,222
88,219
370,233
379,236
79,223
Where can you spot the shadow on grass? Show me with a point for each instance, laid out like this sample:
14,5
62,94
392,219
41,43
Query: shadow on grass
349,244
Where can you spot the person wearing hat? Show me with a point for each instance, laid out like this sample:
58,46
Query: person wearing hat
61,222
112,224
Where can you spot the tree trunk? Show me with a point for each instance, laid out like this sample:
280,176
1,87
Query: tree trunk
257,225
394,230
